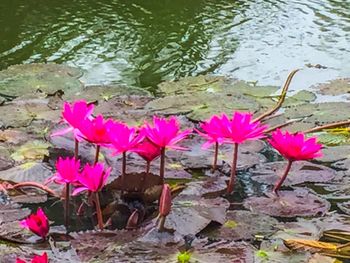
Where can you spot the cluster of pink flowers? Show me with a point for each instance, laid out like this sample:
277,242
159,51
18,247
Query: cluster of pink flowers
150,141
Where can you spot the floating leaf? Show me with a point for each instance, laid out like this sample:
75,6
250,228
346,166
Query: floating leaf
31,151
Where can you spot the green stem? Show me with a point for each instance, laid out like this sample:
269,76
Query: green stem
233,169
283,178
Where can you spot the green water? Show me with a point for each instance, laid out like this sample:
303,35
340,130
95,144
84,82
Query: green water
142,42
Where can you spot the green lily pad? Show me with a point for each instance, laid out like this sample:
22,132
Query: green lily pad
331,139
105,93
14,116
31,151
25,79
6,161
202,105
300,97
334,87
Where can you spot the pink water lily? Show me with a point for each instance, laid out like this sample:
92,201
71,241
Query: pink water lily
238,130
92,178
165,134
213,132
96,130
74,114
37,223
241,128
67,171
293,147
36,259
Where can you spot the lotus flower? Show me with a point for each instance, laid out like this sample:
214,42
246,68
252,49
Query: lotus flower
238,130
37,223
92,178
74,115
67,171
293,147
36,259
165,134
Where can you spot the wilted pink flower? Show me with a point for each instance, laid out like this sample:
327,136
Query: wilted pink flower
96,130
147,150
67,170
295,146
213,130
36,259
37,223
165,133
123,138
74,115
241,128
165,201
92,178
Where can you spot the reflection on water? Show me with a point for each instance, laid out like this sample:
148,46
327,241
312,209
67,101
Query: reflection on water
141,43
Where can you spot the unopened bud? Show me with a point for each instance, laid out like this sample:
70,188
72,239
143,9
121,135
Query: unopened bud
165,201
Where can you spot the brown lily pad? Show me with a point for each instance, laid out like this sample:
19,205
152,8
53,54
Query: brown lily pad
191,214
289,204
6,161
301,172
334,87
13,136
245,225
335,153
210,187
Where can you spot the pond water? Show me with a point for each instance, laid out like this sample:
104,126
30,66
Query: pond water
141,43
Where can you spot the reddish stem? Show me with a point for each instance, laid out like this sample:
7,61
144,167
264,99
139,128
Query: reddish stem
97,153
76,149
66,205
148,167
36,185
280,182
161,223
233,169
162,164
98,211
215,157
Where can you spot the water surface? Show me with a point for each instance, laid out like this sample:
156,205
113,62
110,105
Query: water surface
141,43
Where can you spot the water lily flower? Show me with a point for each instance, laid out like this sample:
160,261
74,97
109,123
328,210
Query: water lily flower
213,133
93,178
74,114
148,151
36,259
123,138
238,130
67,172
165,134
164,205
37,223
294,147
96,130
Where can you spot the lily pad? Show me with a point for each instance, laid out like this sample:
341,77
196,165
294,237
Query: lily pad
100,93
288,204
335,154
301,172
31,151
13,136
6,161
210,187
203,105
10,212
191,214
39,78
245,225
334,87
14,116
